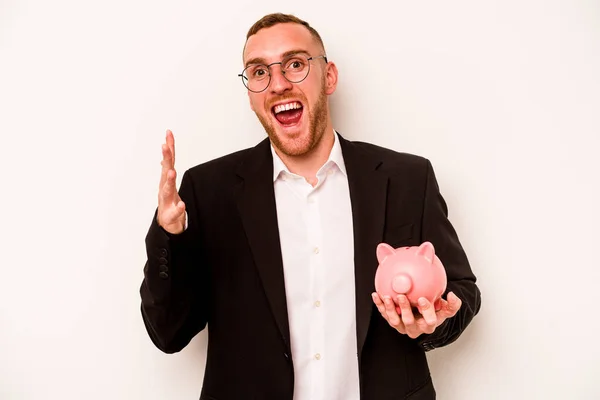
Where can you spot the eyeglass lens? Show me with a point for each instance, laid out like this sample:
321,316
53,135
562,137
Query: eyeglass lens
256,77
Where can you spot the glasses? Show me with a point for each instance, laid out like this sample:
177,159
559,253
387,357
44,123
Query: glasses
295,68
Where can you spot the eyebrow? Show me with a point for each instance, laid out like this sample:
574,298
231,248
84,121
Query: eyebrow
260,60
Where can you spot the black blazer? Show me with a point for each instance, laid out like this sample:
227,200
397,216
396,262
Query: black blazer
225,272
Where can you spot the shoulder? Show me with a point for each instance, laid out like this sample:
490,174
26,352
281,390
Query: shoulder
391,160
228,162
226,167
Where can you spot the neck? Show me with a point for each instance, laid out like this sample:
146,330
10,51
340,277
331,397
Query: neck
307,165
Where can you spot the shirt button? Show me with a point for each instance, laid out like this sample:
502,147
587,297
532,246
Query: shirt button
316,250
317,356
317,303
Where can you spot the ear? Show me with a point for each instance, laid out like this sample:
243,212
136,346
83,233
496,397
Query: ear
331,77
426,251
384,250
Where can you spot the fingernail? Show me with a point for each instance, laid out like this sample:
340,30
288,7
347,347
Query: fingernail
422,302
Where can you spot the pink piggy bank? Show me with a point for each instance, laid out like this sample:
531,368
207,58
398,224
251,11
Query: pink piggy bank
413,271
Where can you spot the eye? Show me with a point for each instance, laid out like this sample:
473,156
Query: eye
257,72
294,64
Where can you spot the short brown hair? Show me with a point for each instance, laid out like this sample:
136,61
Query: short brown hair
270,20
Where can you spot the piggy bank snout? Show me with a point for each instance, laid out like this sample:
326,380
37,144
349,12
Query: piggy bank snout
401,283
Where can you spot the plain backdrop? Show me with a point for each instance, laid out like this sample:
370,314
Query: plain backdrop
502,96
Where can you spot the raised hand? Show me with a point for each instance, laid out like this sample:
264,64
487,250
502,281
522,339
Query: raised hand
171,209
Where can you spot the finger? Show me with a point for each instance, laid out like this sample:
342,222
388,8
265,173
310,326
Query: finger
382,310
424,327
166,164
406,311
377,300
168,192
428,312
379,303
454,304
390,310
174,212
444,309
391,316
381,307
171,144
167,161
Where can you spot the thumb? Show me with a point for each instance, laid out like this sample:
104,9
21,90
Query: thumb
454,303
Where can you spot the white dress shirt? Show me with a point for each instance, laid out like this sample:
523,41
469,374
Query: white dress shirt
315,225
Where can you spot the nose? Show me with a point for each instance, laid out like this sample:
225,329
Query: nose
279,83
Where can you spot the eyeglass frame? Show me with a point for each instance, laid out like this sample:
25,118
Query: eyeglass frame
323,56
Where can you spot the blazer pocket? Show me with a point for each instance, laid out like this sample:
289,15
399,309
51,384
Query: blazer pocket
398,236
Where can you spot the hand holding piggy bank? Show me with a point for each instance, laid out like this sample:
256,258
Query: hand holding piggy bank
413,271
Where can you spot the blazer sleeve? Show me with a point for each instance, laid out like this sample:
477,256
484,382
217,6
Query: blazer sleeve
174,289
437,229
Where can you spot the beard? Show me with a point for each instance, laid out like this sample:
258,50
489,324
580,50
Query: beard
317,122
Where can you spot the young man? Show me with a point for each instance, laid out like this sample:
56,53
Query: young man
273,248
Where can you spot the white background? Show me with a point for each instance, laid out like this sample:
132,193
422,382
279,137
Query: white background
502,96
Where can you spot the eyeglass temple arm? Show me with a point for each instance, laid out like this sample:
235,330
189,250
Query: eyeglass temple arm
323,56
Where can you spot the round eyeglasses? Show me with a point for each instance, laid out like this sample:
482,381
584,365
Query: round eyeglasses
295,68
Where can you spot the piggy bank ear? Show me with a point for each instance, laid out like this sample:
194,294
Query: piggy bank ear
426,251
384,250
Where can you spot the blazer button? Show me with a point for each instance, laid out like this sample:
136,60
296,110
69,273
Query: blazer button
162,260
163,275
163,268
163,252
286,355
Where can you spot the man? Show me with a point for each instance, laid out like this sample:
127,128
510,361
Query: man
273,248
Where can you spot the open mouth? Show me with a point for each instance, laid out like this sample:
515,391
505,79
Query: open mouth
288,114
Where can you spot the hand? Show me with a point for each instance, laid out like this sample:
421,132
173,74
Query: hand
414,325
171,209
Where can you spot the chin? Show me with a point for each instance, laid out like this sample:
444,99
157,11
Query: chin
291,139
293,143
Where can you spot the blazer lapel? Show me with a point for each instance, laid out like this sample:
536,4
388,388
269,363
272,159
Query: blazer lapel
368,192
256,204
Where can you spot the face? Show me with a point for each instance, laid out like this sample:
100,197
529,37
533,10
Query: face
294,115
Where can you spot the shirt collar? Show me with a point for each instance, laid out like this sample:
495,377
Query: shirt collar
336,158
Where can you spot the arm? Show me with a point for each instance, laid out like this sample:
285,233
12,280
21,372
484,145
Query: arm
437,229
174,295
